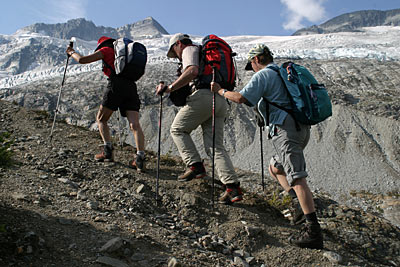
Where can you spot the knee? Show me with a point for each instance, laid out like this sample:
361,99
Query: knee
300,182
100,119
174,131
274,171
135,126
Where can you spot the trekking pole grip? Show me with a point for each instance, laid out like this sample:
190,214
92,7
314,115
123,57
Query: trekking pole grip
71,44
164,88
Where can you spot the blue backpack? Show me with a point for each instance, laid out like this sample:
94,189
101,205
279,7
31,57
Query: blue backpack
309,99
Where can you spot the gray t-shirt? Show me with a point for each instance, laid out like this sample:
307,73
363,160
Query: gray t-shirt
190,57
267,83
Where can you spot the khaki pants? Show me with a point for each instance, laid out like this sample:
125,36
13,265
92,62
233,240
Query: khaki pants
198,111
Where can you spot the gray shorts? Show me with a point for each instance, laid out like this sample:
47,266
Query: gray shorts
289,144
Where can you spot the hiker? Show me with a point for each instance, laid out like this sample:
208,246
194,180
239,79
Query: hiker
121,94
288,166
198,112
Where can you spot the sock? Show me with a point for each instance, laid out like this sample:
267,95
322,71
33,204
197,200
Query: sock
141,154
312,218
292,193
233,185
108,144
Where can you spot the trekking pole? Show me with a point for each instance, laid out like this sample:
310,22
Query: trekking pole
261,124
119,130
262,159
71,44
213,140
159,141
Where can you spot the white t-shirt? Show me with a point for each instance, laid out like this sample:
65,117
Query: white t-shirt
190,57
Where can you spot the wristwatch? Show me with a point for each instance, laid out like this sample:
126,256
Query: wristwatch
170,88
223,92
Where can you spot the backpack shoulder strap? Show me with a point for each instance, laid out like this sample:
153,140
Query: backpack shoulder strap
289,111
106,65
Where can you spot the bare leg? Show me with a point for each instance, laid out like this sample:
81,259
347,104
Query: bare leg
301,188
280,176
304,196
134,124
103,115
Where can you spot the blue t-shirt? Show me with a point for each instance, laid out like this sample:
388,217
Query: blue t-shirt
266,83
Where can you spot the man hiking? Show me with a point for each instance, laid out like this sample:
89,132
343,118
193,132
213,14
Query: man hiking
288,166
198,112
121,94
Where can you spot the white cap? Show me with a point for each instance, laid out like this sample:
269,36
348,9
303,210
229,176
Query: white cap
173,40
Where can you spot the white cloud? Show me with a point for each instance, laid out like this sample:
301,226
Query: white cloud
298,10
60,10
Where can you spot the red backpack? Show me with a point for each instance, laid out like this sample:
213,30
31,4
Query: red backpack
215,52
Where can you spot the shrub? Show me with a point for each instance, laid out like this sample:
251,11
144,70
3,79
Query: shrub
5,152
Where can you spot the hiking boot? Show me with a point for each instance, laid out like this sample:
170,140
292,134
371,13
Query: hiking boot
105,155
138,163
233,193
195,171
296,213
309,237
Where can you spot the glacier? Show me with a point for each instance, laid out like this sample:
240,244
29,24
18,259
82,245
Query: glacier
381,43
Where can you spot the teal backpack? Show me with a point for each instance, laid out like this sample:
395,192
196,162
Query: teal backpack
310,100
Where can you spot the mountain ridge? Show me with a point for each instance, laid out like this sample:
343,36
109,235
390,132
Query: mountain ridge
354,21
88,31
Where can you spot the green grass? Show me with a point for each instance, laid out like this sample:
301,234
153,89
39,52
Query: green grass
279,202
5,152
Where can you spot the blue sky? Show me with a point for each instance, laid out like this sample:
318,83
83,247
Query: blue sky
199,17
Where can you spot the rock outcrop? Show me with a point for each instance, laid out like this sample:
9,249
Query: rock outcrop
87,30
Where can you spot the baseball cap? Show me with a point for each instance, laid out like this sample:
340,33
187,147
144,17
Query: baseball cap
102,41
256,50
173,40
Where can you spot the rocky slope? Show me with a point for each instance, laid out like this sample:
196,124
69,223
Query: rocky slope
354,21
357,149
60,208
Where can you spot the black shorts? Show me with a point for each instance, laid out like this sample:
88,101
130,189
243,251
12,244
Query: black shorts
121,94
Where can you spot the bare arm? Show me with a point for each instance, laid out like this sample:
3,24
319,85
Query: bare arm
233,96
187,76
84,59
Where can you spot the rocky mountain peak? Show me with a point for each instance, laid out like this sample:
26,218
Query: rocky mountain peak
354,21
146,27
87,30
